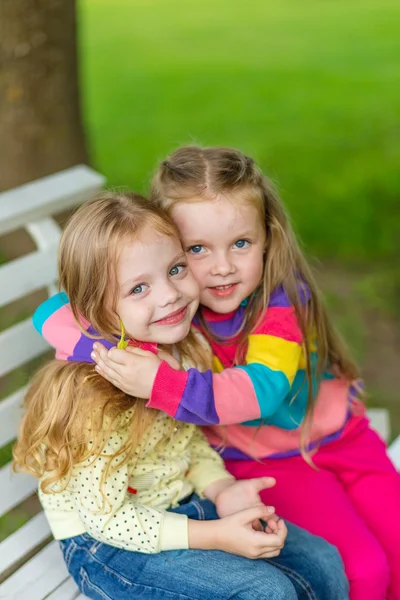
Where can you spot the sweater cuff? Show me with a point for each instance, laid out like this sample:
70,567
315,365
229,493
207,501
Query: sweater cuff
174,534
168,388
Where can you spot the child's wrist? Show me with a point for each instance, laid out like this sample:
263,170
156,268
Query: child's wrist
202,535
213,490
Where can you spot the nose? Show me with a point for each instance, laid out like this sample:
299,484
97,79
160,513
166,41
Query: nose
169,294
223,265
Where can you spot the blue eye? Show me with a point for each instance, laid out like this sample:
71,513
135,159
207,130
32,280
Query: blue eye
139,289
241,244
177,269
198,249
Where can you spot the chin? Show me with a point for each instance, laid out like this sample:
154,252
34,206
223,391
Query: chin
175,334
221,306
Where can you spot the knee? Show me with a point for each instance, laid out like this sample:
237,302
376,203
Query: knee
369,569
328,573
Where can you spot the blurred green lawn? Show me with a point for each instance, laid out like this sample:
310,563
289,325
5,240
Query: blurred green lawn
310,89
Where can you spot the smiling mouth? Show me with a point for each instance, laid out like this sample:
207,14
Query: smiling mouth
173,318
223,290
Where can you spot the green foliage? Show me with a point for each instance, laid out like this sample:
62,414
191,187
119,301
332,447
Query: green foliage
309,89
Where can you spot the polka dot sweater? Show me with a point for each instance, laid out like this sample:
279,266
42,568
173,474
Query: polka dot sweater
129,509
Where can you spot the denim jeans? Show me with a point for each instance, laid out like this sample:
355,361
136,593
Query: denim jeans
308,568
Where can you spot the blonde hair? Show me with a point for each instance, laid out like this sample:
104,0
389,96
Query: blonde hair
70,409
195,174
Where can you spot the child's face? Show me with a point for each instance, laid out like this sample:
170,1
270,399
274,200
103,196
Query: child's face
224,243
157,294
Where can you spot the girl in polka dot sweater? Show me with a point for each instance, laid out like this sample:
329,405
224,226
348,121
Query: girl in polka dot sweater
141,505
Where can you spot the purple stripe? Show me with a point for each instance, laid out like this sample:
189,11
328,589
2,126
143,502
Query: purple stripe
197,404
236,454
227,328
84,347
279,298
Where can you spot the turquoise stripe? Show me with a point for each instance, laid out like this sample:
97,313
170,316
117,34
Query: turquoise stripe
280,405
49,307
271,388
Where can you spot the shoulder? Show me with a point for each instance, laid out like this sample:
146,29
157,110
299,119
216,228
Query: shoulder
280,299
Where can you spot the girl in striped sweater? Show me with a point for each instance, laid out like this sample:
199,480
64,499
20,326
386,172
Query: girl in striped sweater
283,384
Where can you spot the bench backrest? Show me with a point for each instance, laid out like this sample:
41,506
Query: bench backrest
31,207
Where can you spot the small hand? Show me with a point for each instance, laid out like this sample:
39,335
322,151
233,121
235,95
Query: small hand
243,494
235,534
132,370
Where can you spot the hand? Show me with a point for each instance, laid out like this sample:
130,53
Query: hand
132,370
244,494
234,534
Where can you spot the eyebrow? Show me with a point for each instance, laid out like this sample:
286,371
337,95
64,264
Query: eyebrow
238,236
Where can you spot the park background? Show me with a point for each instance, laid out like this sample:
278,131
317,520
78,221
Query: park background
309,89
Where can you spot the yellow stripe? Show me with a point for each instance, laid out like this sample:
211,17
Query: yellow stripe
276,353
217,365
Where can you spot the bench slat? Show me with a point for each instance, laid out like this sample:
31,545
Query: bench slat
68,590
394,452
24,275
24,540
10,416
47,195
18,345
380,422
15,487
37,578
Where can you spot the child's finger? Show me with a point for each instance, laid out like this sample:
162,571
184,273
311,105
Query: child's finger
137,351
272,526
107,371
262,483
107,377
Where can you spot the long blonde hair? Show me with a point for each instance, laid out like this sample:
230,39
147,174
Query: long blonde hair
70,409
194,174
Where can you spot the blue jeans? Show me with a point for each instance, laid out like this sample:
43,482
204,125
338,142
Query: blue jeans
308,568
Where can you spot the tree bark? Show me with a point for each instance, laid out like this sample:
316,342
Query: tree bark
40,120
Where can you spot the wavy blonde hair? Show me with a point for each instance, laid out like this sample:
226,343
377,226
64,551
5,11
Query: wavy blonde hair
195,174
70,409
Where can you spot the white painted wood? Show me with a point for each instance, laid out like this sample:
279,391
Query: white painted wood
19,344
379,420
24,275
23,541
46,196
68,590
47,235
10,416
394,452
15,487
38,577
30,206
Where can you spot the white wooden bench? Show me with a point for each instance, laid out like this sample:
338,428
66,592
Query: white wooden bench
31,565
40,574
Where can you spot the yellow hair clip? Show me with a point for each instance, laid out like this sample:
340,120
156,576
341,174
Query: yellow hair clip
123,343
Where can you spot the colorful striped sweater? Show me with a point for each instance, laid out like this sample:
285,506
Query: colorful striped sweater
262,403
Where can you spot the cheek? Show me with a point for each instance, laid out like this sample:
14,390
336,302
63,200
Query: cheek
133,316
255,266
198,268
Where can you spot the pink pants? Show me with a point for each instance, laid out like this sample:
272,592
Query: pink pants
352,500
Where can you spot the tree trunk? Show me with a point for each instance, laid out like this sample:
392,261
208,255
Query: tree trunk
40,120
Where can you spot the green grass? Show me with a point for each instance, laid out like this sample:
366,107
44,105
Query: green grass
310,89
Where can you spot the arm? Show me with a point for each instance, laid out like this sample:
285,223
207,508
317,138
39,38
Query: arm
207,472
112,515
115,519
253,391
